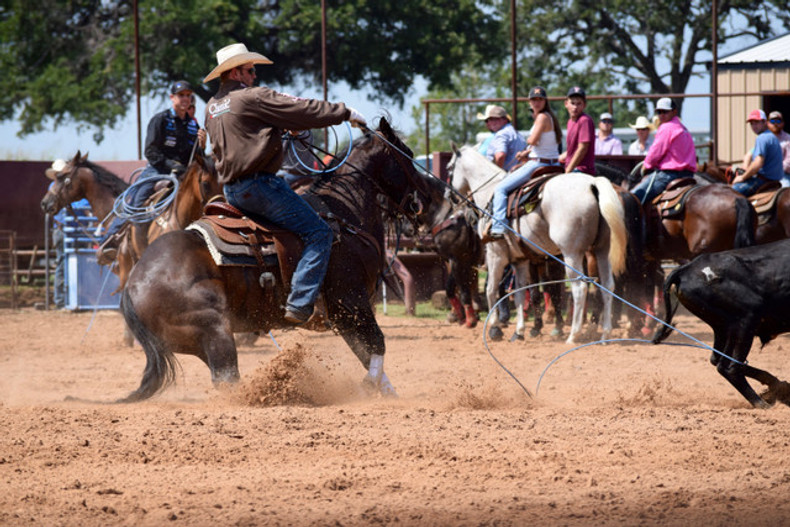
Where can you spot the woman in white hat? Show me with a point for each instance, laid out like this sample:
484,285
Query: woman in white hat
641,145
246,124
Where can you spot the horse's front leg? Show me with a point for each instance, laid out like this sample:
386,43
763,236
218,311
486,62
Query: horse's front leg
495,264
358,327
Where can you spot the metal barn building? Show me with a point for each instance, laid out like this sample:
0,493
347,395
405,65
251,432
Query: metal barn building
759,77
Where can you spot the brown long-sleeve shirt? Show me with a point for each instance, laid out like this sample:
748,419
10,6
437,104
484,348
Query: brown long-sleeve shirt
246,126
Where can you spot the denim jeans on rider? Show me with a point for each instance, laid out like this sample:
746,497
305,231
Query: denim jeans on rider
511,182
750,186
270,197
654,184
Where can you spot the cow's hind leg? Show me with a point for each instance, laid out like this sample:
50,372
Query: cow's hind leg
739,342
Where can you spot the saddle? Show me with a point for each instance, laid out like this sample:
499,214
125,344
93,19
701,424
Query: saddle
672,201
764,201
235,239
524,199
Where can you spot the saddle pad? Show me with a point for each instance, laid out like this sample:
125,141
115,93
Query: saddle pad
231,254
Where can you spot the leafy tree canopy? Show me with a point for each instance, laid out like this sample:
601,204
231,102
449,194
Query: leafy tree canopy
610,47
73,60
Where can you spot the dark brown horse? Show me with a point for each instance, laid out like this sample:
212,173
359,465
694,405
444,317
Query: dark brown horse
452,225
178,300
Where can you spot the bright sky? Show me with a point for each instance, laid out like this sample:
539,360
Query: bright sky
121,144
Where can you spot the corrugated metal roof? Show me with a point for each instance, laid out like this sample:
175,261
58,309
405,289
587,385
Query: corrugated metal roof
776,49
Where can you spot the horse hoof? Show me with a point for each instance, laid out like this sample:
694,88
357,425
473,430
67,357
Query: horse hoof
556,332
495,333
534,333
516,337
471,323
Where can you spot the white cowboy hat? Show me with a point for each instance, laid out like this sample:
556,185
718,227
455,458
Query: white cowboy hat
234,56
57,166
641,123
492,110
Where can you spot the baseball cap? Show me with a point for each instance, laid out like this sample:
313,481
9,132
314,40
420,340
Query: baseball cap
538,92
775,115
665,103
577,92
756,115
607,115
180,86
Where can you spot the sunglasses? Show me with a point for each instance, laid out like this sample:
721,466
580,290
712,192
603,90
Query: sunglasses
659,112
775,121
251,71
607,121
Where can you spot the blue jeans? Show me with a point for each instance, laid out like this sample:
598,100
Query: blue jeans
270,197
142,190
750,186
654,184
511,182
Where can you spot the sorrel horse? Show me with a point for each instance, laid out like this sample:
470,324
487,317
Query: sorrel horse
197,186
178,300
82,179
773,208
577,213
451,223
713,218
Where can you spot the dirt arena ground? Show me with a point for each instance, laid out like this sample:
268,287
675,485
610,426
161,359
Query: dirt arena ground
624,434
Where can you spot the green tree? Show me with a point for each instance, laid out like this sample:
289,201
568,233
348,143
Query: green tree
616,46
73,60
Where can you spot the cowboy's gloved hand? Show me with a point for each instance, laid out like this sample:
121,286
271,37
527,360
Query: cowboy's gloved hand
356,118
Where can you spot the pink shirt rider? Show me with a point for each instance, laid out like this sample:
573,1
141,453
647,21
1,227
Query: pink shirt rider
673,148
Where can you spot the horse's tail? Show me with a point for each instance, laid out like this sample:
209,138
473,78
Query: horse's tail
612,211
663,330
160,363
744,223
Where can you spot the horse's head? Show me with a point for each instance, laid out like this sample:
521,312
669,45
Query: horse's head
456,170
201,178
67,183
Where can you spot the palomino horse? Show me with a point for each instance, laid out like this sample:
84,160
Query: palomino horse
451,224
178,300
577,213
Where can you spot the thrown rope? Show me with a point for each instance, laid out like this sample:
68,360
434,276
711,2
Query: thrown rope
128,212
580,276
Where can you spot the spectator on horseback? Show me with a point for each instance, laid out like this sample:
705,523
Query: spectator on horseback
766,159
169,144
672,155
506,142
643,141
580,155
543,148
607,144
776,125
246,125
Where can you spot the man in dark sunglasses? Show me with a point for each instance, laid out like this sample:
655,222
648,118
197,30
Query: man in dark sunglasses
766,158
776,125
672,155
246,124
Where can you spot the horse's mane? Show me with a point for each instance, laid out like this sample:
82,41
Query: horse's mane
104,177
